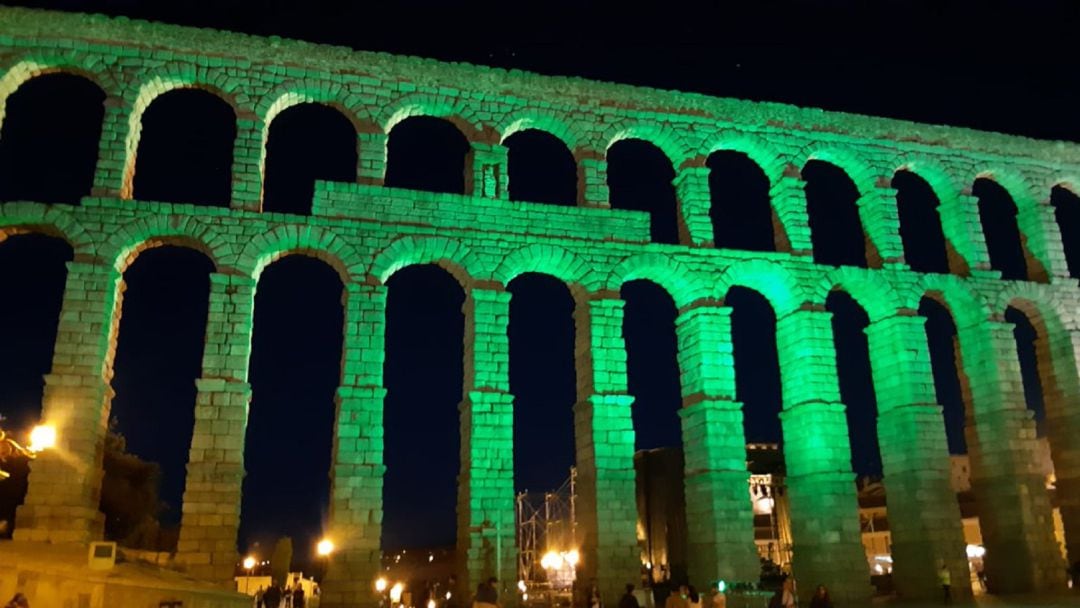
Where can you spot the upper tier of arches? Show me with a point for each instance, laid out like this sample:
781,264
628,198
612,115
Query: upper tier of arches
486,139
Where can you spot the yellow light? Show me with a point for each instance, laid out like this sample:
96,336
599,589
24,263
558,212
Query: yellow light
448,594
573,557
395,593
431,603
249,563
521,586
380,584
42,437
551,561
525,597
325,547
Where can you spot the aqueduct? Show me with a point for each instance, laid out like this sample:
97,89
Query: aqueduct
367,231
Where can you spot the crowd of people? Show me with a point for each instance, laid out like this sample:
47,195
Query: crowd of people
278,596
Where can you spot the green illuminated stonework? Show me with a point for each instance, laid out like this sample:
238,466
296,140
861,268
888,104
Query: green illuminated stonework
367,232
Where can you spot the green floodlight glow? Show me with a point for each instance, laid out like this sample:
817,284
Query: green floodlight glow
721,586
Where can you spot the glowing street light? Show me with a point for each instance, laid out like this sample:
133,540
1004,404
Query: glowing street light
380,584
325,547
395,593
249,564
573,557
42,437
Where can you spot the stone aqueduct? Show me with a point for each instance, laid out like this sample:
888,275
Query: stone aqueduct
367,232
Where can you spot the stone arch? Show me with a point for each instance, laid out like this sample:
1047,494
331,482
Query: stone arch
296,92
22,217
171,78
965,306
761,152
540,119
448,254
876,297
313,241
779,286
1028,225
672,276
29,68
669,141
547,259
859,171
1014,182
943,183
455,110
135,237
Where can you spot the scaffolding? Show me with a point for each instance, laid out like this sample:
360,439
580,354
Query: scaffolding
546,522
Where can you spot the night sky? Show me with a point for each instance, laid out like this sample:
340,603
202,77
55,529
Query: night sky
1003,67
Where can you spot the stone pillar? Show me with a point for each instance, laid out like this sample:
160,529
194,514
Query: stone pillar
719,517
692,192
486,511
924,517
1014,506
1062,422
1042,241
111,177
791,225
371,158
215,470
881,224
488,177
604,434
248,159
592,182
356,473
827,540
963,232
64,490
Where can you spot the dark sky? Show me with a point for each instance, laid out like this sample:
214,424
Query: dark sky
1004,66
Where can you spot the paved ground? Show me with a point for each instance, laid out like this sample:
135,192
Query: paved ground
988,601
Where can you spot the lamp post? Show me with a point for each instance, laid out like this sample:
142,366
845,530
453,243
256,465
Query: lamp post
323,549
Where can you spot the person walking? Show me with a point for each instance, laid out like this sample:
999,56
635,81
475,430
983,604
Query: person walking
946,583
272,597
693,600
487,594
628,600
821,598
678,599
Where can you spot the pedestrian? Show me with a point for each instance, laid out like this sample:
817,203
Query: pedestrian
693,600
821,598
19,601
298,596
272,597
628,600
787,593
594,598
946,583
678,599
487,595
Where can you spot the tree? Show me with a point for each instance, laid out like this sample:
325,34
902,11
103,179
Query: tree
129,496
281,560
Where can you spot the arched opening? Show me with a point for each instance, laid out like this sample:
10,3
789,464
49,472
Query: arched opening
306,142
741,209
945,362
836,231
295,372
653,379
997,213
186,149
543,381
758,388
1067,212
639,177
33,271
849,323
49,142
426,153
540,168
1026,335
423,375
920,225
158,357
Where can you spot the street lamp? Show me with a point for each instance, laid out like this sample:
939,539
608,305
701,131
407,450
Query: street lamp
325,547
42,437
